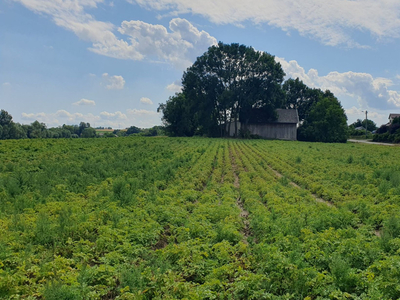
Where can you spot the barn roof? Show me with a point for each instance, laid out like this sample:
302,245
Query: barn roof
287,116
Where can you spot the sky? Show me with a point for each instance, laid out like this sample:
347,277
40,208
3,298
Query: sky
111,63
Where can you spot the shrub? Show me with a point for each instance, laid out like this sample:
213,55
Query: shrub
44,232
350,159
57,291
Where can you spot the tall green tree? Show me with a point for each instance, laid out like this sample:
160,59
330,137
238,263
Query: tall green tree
6,125
300,96
224,83
37,130
132,130
178,116
82,127
88,132
326,122
19,131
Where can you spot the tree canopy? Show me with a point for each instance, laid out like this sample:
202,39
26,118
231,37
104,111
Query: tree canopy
371,125
389,132
224,83
321,116
326,122
11,130
7,127
300,96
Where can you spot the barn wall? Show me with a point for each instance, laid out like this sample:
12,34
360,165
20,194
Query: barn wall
279,131
274,131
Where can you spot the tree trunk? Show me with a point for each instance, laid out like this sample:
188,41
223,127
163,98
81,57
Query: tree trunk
229,125
236,121
225,121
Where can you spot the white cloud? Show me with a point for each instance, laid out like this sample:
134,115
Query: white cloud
71,15
379,118
144,118
331,22
113,116
175,87
6,84
114,82
360,114
59,117
26,116
84,102
367,90
145,100
354,111
180,46
64,114
142,112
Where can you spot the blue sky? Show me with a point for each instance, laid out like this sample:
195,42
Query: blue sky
111,63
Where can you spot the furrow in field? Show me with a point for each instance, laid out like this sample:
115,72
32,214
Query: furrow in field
244,214
292,183
279,175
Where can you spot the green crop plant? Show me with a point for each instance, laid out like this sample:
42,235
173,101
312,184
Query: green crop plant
197,218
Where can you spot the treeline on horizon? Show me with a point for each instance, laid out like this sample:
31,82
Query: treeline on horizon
14,130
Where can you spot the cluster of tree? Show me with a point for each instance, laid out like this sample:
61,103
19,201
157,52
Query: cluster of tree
358,127
388,133
11,130
133,130
231,83
322,117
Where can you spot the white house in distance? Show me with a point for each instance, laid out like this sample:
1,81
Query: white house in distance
392,116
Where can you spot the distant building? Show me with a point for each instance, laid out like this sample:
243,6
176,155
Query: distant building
284,128
392,116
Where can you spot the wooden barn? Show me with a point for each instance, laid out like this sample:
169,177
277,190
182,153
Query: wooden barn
284,128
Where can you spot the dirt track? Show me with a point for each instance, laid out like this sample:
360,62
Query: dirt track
372,143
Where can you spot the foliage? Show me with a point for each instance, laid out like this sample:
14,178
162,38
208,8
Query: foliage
88,132
178,116
300,96
389,133
327,122
371,125
8,129
133,129
11,130
225,83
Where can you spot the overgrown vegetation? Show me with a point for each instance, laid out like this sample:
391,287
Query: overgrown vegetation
389,133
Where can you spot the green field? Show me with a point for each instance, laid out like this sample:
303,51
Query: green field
194,218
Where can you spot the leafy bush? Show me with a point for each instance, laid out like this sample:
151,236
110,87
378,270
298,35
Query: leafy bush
57,291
